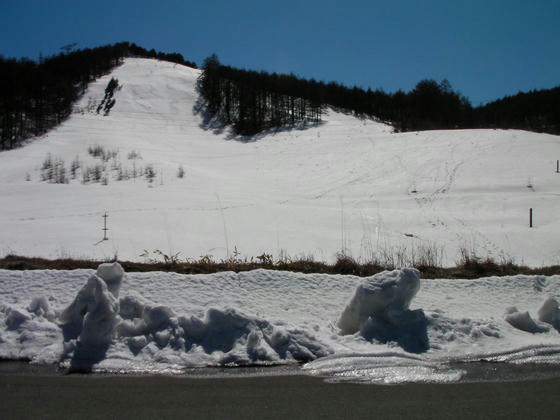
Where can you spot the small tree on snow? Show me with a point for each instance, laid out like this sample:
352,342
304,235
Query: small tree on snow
60,172
180,172
47,168
150,173
53,170
74,166
134,156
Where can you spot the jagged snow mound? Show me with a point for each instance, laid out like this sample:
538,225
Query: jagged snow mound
231,337
394,289
93,315
379,310
523,321
550,313
30,333
96,319
243,338
112,275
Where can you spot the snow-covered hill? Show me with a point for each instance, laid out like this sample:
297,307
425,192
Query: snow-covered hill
347,184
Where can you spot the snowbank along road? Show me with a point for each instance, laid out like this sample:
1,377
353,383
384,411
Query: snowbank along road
389,328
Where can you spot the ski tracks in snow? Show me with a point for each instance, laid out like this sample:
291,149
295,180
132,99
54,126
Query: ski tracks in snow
138,210
442,184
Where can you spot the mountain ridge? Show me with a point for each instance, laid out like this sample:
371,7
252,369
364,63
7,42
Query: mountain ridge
37,96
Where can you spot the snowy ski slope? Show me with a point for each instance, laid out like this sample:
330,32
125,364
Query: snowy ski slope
348,184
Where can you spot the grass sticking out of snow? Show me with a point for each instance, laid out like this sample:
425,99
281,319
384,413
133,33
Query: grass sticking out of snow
469,266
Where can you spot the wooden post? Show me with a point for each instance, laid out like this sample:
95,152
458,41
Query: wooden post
105,227
531,217
557,166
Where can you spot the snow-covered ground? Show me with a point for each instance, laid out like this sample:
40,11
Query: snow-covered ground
348,184
389,328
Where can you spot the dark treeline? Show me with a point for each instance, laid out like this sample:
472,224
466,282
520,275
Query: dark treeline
253,101
37,96
537,110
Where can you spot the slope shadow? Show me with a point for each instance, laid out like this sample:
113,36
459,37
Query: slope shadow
273,131
409,329
208,122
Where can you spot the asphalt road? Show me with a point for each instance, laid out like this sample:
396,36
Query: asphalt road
161,397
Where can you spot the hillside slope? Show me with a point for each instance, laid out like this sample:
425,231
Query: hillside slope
346,184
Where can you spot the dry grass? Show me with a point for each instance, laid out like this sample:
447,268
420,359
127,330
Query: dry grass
468,267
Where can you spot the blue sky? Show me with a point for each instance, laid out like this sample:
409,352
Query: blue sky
486,49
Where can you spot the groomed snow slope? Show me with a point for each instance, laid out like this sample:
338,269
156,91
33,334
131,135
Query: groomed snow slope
346,184
389,328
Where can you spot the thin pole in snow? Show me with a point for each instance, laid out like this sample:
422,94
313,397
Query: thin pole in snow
557,166
105,226
531,217
342,225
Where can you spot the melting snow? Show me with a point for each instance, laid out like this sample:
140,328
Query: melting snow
388,328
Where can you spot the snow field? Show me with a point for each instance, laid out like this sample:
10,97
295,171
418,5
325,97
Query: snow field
347,184
389,328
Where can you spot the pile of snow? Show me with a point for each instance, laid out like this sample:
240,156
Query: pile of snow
523,321
30,333
96,319
379,311
246,339
229,336
383,329
384,291
548,314
93,315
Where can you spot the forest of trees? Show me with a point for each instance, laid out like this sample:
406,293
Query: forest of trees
253,101
37,96
537,110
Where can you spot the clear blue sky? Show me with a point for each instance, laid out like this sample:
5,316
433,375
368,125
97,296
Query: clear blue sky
487,49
